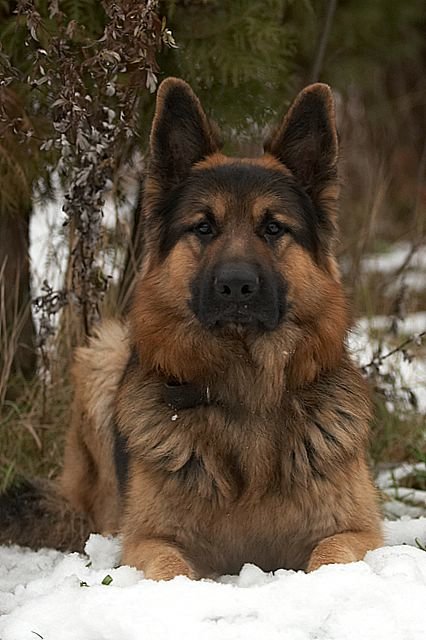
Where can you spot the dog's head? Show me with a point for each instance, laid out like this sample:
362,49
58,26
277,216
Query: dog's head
242,245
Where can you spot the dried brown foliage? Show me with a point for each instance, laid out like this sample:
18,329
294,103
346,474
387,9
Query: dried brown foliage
91,88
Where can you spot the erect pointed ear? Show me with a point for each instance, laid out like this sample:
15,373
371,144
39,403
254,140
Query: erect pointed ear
181,134
306,141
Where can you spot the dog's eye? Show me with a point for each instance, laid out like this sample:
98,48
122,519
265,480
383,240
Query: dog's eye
204,229
274,229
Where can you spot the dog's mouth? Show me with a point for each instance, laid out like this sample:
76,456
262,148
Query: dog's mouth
236,314
239,317
242,318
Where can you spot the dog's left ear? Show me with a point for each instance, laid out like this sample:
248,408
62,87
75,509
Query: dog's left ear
306,141
181,134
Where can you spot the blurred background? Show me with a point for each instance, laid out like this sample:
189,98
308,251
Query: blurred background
77,91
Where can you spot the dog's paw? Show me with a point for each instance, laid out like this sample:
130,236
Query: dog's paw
167,567
329,552
349,546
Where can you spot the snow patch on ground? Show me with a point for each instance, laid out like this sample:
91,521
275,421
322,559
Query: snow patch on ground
412,323
405,531
59,596
402,501
410,375
400,254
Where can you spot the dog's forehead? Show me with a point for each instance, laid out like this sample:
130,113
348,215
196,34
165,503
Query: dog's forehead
242,186
238,195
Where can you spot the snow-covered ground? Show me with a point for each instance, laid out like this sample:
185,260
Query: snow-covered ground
400,265
400,254
401,501
57,596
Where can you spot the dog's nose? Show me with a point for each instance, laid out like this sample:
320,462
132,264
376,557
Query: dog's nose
236,281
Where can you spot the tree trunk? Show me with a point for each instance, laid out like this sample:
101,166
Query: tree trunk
17,332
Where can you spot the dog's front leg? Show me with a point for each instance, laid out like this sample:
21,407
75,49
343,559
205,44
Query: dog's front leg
159,560
350,546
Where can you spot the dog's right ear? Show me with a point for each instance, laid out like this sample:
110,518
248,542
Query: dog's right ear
180,134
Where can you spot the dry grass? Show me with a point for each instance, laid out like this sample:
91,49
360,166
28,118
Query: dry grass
32,428
396,436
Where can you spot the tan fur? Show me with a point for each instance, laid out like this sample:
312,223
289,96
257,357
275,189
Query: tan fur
161,561
273,470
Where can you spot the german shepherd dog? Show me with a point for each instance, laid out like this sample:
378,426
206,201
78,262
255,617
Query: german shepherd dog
225,422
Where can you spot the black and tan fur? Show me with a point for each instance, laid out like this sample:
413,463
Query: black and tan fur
238,300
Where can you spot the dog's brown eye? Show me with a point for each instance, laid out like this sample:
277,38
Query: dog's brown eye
204,229
274,229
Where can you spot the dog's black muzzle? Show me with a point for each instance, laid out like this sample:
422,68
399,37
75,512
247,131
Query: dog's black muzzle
238,293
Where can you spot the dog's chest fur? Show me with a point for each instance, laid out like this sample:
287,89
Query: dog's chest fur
234,479
220,450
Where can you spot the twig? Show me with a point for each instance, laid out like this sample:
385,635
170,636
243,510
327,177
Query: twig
322,45
378,360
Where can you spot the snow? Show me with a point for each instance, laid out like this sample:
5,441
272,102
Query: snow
398,256
412,323
406,530
402,500
49,245
389,477
410,375
59,596
103,551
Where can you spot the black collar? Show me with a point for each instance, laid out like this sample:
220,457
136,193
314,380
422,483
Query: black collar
185,395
